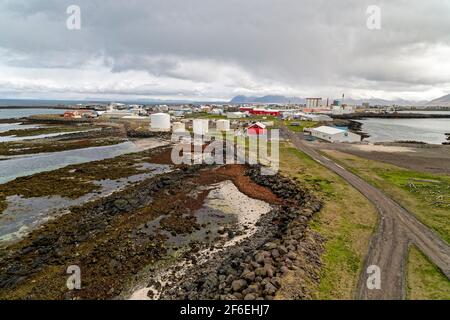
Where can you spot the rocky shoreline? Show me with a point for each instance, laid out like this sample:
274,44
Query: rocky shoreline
110,240
256,268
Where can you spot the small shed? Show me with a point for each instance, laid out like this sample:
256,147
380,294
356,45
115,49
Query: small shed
257,128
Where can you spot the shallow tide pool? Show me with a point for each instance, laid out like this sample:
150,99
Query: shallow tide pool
27,165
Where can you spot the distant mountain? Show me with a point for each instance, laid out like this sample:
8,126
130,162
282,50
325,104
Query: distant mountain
440,102
383,102
284,100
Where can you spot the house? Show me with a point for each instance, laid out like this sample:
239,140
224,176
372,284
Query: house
333,134
72,114
257,128
78,114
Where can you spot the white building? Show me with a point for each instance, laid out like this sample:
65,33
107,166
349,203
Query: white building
315,117
313,102
343,109
332,134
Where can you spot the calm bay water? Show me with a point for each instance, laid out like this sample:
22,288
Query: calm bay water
388,130
28,165
26,112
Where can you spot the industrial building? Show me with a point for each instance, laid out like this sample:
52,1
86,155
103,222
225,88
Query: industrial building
260,111
160,122
332,134
313,102
315,117
344,109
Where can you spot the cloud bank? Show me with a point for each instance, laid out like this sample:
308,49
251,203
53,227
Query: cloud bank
213,49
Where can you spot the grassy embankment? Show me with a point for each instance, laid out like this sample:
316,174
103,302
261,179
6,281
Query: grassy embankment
425,195
347,225
302,125
347,222
424,280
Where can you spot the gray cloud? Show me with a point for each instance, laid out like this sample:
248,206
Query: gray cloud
221,48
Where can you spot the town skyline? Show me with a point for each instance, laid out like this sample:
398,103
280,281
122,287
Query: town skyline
216,51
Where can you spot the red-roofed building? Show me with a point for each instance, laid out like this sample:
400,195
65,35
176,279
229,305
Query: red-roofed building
260,112
257,129
245,109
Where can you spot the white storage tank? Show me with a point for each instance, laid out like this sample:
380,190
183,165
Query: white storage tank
200,126
223,125
160,122
178,127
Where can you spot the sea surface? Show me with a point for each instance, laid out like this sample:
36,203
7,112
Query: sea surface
430,131
26,112
31,164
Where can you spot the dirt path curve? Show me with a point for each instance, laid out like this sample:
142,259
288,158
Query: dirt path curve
389,245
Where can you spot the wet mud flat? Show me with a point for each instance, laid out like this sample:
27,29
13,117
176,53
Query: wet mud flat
64,140
75,183
128,243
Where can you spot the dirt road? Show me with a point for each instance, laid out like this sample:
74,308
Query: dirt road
389,245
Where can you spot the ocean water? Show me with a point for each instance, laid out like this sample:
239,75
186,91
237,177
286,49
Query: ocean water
28,165
26,112
4,127
430,131
39,136
25,165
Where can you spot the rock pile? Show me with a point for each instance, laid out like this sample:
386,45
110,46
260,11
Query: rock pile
254,269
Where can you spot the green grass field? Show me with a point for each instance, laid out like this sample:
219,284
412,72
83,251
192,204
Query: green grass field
424,280
347,225
302,126
425,195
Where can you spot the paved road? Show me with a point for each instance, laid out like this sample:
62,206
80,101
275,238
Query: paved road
389,245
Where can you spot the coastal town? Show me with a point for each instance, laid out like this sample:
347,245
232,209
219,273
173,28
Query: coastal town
224,159
102,181
327,121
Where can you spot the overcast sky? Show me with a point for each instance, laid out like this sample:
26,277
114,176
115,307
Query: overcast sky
216,49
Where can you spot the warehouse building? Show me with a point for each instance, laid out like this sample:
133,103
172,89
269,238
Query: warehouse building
332,134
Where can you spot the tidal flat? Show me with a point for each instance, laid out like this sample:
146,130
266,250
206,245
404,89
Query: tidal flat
139,226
